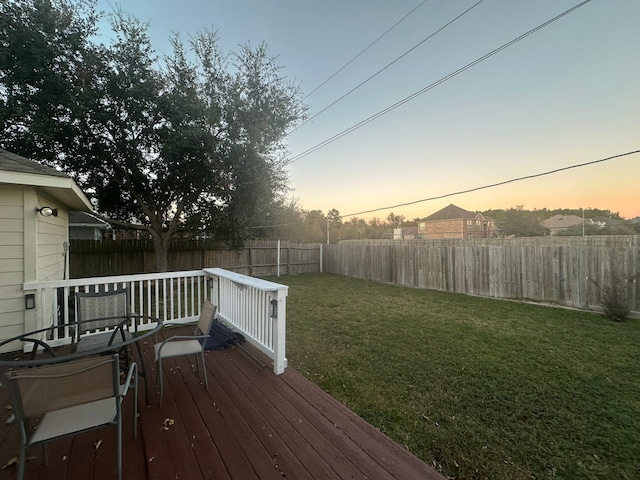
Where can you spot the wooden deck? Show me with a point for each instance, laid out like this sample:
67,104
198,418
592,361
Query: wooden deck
251,424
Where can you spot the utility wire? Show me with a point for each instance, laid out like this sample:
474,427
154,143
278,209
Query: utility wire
475,189
362,51
495,184
387,66
433,85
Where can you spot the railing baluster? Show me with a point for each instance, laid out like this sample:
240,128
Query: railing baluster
185,295
179,297
164,299
193,300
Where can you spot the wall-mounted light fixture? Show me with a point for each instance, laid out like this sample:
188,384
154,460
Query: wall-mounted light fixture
47,211
30,301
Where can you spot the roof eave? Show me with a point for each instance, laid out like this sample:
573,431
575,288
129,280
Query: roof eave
63,189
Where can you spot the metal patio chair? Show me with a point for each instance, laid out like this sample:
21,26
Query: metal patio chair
104,312
70,398
181,345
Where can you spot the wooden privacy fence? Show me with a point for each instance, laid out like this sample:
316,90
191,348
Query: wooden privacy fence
567,271
127,257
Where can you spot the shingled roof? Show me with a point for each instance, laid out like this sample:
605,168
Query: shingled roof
17,170
10,162
452,212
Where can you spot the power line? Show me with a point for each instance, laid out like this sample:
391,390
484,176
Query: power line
475,189
387,66
433,85
364,50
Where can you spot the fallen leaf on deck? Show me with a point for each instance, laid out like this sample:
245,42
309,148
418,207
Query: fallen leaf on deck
167,423
97,444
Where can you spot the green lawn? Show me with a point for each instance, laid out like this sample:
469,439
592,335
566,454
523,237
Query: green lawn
479,388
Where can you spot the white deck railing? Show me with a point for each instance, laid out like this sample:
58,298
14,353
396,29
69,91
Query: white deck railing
254,307
257,308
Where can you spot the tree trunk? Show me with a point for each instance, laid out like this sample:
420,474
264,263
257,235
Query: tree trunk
161,245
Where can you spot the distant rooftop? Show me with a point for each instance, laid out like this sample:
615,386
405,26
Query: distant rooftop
450,213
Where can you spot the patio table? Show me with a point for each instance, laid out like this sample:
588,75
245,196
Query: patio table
43,353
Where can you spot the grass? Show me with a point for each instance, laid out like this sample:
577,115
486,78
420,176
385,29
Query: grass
479,388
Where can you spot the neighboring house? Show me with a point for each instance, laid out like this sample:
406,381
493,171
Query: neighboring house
455,222
558,223
84,226
34,204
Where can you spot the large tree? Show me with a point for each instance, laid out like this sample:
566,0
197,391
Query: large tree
191,143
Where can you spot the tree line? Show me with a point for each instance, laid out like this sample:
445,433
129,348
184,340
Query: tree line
291,222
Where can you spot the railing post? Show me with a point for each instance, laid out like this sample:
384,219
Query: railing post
279,318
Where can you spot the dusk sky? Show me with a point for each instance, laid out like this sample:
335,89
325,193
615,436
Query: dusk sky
567,94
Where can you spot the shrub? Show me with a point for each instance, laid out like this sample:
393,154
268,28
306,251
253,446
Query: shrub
613,299
614,303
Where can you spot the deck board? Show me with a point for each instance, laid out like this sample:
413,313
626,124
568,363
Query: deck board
250,424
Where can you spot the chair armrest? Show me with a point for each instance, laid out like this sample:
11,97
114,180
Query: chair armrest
133,368
120,328
185,337
37,342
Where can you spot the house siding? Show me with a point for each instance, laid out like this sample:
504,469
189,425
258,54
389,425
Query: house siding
444,229
52,233
32,249
11,261
455,228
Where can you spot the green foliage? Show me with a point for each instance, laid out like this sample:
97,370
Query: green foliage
334,218
395,220
516,222
45,74
519,222
579,230
614,302
480,388
189,144
614,299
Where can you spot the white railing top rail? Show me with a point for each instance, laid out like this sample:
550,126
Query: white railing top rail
113,279
264,285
